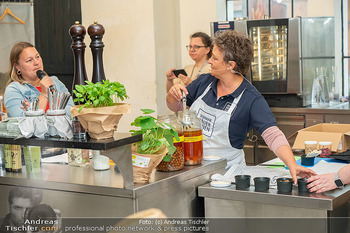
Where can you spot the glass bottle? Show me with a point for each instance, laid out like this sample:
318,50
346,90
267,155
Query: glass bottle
320,93
2,108
78,130
177,158
7,157
193,137
2,157
78,157
16,158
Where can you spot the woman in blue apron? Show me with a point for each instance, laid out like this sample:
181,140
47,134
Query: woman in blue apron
229,106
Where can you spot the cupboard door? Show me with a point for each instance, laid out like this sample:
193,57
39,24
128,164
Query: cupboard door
52,22
337,119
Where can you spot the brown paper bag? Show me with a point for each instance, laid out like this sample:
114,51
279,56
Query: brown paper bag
100,122
143,164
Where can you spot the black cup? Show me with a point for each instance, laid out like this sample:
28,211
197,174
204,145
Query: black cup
307,161
242,181
261,184
284,185
302,185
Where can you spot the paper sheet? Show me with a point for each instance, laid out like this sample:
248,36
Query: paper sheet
62,159
323,167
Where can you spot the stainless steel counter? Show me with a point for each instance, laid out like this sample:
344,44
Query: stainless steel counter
328,201
231,203
83,192
339,108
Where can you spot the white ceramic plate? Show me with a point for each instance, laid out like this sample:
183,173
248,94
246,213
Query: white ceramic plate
220,183
212,157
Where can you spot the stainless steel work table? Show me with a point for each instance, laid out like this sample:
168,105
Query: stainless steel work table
231,203
83,192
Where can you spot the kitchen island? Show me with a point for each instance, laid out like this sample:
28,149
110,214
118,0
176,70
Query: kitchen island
326,212
84,192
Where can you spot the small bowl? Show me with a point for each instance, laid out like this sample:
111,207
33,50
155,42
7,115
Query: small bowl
284,185
242,181
302,185
307,161
261,184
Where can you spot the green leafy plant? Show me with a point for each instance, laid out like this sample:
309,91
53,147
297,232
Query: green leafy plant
98,94
155,134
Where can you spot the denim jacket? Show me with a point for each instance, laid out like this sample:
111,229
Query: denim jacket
15,92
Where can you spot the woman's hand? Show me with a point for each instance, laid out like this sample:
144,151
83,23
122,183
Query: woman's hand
170,75
45,83
185,79
301,171
321,183
26,103
175,93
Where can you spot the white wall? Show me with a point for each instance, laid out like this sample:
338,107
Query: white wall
144,39
167,40
129,53
317,8
195,15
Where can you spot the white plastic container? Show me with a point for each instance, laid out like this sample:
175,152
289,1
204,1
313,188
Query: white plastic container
326,148
100,162
310,146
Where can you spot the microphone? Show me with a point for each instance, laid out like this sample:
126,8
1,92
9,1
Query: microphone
227,69
232,71
41,74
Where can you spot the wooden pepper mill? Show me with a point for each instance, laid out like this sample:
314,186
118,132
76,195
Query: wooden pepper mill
77,33
96,32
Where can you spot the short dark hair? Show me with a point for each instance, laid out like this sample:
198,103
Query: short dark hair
235,47
207,41
35,195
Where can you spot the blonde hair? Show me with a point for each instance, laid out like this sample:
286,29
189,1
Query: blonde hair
14,58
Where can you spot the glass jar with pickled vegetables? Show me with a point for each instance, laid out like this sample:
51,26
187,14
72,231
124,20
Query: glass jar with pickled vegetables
193,137
176,161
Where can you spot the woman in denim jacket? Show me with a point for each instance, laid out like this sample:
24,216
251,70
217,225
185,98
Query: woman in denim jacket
24,83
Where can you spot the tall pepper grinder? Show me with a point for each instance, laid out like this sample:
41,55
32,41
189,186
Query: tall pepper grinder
96,32
77,33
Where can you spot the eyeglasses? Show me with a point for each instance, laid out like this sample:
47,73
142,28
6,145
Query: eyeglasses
195,47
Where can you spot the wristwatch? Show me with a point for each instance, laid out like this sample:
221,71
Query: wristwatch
338,181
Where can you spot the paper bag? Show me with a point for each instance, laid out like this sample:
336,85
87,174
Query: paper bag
144,164
100,122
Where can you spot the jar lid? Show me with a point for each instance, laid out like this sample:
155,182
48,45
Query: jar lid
310,142
325,143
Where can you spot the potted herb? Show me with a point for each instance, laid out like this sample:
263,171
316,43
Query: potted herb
158,140
97,112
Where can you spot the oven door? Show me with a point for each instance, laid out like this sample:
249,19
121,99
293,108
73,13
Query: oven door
275,68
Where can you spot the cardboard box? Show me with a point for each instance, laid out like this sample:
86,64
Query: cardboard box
338,134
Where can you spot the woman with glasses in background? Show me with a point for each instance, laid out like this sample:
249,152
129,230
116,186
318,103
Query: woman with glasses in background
199,50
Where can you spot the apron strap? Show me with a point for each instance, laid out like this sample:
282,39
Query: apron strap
205,91
200,70
233,106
